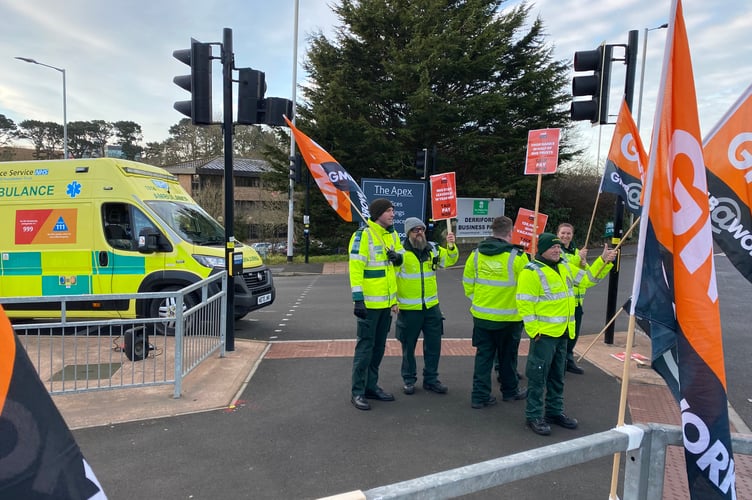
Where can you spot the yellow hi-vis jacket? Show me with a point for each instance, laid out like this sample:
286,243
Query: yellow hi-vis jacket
416,280
372,276
594,273
546,297
490,281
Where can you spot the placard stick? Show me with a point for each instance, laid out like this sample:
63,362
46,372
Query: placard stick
534,238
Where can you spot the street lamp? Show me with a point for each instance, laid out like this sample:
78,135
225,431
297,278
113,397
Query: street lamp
291,188
65,111
642,70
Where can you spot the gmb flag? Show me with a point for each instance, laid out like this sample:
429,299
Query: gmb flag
626,161
675,254
338,187
38,456
728,159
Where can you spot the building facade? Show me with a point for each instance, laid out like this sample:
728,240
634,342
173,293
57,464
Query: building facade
260,213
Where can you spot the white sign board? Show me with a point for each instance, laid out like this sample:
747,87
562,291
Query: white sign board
475,215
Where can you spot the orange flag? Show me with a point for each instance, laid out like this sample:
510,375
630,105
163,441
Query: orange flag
677,295
340,190
626,162
39,457
728,158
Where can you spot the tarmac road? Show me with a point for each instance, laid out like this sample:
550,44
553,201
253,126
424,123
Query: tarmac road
734,297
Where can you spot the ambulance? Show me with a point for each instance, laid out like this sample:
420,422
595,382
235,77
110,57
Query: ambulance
111,226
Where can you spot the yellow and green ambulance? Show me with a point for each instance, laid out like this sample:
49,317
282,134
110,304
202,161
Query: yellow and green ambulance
98,226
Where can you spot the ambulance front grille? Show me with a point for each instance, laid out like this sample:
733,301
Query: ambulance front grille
255,279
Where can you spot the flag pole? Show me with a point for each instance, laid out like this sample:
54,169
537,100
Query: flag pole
622,403
595,207
347,195
592,217
600,333
629,231
636,282
617,247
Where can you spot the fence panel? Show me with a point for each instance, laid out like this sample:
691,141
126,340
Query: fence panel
643,477
81,356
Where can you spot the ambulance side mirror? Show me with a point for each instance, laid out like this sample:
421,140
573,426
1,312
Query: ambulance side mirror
148,240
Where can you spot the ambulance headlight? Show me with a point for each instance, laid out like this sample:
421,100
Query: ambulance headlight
210,261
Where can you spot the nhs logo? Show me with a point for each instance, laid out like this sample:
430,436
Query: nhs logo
41,171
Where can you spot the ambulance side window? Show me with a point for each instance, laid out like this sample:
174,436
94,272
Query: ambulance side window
117,226
141,222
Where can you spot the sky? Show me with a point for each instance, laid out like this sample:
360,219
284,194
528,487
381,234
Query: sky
118,61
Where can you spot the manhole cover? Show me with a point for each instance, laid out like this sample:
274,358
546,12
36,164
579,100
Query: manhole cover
86,372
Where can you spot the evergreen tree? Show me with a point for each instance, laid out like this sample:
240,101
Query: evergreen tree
47,137
8,130
129,134
467,76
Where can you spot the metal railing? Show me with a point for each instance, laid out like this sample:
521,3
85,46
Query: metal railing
645,446
80,356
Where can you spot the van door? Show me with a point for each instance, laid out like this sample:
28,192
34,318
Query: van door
121,267
51,250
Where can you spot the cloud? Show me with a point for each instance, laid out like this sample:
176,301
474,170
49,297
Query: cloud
119,64
718,37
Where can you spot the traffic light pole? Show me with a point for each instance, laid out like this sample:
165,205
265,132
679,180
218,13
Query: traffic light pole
613,279
253,108
227,64
307,216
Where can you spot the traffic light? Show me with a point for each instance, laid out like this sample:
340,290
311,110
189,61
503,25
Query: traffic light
296,170
253,108
272,110
595,85
251,90
198,83
420,163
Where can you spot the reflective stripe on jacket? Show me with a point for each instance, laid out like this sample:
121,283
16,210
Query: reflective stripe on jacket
595,274
490,282
416,281
546,297
372,276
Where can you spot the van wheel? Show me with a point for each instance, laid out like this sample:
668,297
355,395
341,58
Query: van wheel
166,307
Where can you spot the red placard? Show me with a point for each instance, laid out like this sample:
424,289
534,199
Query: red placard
443,196
542,151
523,227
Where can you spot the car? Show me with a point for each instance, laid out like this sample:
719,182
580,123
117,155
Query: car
263,247
281,247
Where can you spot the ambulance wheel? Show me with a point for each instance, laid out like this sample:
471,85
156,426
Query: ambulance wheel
166,307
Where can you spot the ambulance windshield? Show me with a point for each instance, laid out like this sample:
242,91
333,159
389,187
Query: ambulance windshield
190,222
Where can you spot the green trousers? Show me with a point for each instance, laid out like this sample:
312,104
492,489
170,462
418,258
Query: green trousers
546,363
573,342
369,350
504,340
408,328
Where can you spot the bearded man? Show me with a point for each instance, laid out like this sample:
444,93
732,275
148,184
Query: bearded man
418,300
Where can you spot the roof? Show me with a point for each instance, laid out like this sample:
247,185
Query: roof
216,166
